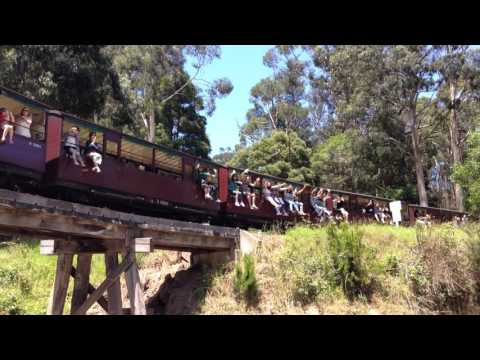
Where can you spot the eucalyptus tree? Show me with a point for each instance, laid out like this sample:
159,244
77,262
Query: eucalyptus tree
73,78
279,101
459,70
160,99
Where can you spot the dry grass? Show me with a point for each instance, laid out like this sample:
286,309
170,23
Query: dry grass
397,253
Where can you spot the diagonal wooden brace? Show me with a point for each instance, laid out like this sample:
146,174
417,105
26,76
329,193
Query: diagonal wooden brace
109,281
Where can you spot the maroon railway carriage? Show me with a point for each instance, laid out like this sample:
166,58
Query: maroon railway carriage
266,212
135,173
24,160
140,176
150,176
437,215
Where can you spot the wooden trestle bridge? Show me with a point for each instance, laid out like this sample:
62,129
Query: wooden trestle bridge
70,230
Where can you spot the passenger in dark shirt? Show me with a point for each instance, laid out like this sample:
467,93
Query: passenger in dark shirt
249,191
92,151
369,208
234,187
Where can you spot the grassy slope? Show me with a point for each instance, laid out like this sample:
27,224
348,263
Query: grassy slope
26,276
285,264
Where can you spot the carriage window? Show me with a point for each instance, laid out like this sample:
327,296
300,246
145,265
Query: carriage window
167,161
37,128
136,152
112,148
84,132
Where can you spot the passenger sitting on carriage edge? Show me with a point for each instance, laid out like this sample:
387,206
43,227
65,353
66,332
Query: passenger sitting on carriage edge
315,202
341,208
23,123
256,190
328,199
278,196
72,145
319,203
212,182
296,193
268,195
377,212
289,199
369,208
234,188
6,124
92,151
248,190
204,176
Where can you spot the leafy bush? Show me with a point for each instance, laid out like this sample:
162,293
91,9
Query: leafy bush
353,261
302,265
392,265
245,281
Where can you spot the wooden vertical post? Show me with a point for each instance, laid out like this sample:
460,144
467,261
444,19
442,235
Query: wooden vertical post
132,279
60,286
82,281
114,292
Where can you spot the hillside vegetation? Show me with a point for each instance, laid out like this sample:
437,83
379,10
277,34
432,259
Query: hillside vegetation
368,269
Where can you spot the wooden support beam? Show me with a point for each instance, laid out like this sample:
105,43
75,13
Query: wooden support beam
135,290
80,246
60,286
114,292
183,241
39,220
132,278
104,286
101,300
82,281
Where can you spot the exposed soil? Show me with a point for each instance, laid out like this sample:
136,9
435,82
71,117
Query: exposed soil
170,285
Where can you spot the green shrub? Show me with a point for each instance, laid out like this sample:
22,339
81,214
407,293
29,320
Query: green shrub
353,261
392,265
245,281
302,265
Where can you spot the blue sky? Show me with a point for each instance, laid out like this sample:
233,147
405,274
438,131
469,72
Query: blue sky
243,65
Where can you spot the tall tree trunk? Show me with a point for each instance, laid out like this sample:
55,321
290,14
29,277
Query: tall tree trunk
455,145
422,191
151,126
